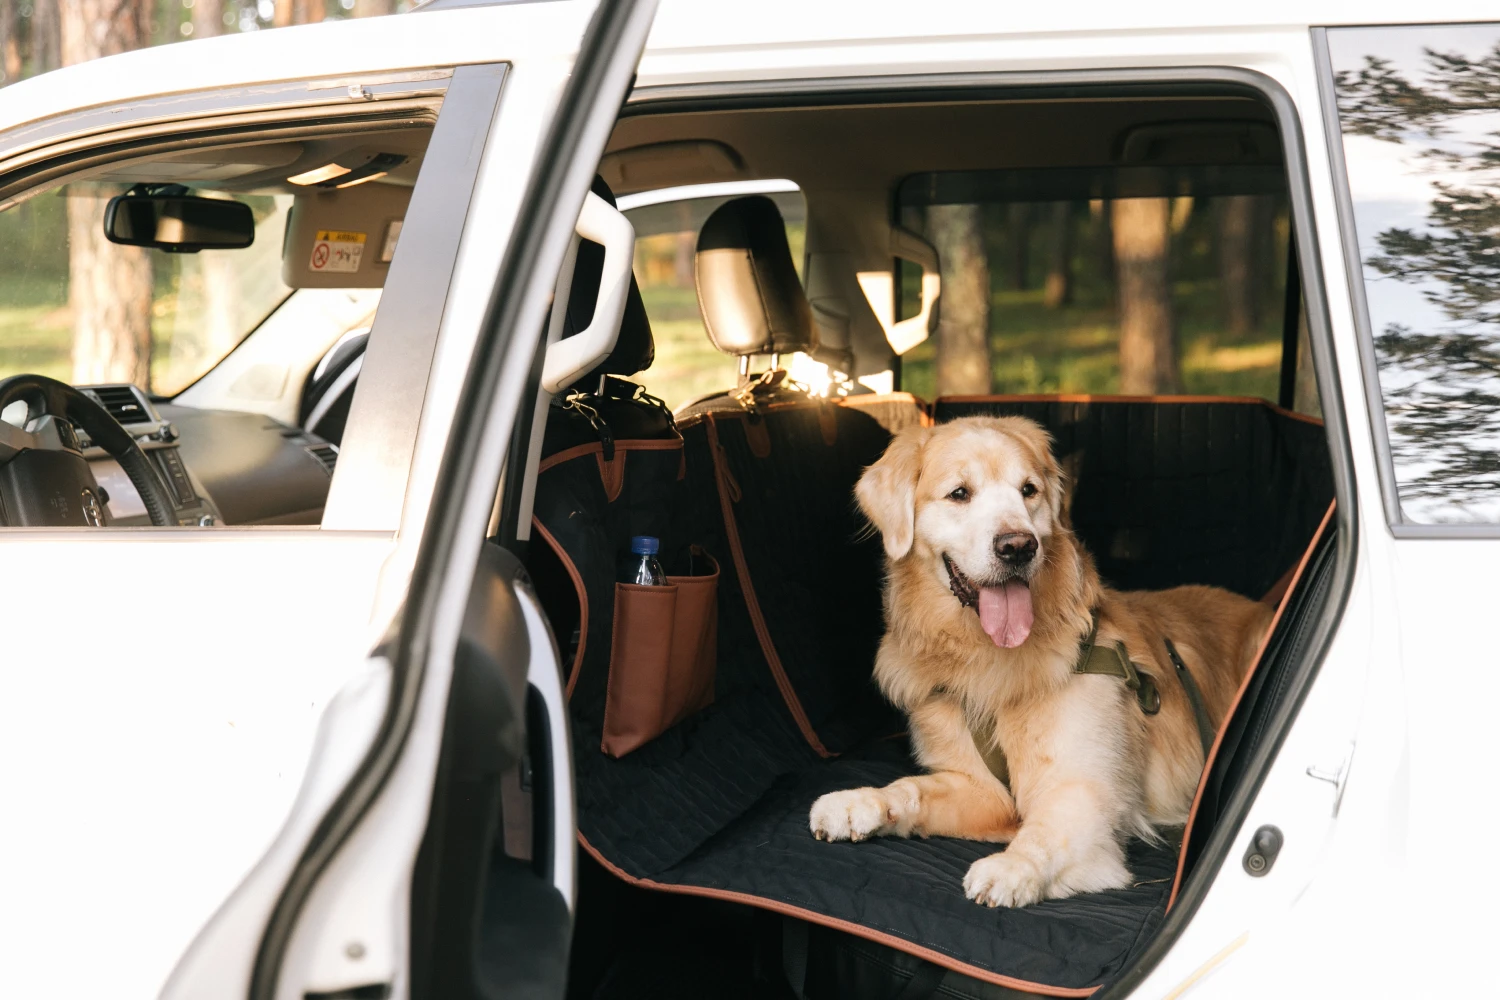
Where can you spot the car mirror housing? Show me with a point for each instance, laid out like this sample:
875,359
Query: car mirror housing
178,222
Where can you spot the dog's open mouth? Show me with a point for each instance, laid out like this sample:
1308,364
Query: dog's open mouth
1004,611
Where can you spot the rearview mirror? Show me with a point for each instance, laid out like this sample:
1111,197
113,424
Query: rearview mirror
178,223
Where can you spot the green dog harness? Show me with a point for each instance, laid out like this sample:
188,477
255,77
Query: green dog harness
1114,661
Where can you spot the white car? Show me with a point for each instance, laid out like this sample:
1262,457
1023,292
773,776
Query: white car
324,441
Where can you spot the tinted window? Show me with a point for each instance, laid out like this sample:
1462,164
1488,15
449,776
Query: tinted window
1420,113
1168,281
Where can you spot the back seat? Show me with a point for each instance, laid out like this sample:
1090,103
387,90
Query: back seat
1183,490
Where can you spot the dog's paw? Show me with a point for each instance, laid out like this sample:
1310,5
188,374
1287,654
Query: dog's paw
852,815
1004,880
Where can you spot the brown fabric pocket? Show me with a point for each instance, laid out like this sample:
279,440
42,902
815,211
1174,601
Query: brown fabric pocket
662,657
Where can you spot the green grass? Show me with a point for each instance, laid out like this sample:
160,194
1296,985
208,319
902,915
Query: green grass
1076,348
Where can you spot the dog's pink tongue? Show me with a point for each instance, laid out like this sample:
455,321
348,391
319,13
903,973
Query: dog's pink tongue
1005,613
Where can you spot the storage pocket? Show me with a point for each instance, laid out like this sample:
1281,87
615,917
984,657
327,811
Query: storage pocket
662,657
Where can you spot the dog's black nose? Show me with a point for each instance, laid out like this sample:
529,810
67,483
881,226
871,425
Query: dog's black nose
1016,548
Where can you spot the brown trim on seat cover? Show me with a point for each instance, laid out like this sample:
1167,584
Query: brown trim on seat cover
747,586
597,448
583,602
848,927
1240,694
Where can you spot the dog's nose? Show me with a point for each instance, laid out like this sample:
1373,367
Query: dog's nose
1016,548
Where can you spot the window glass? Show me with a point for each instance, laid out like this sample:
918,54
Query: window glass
1419,109
1173,282
687,366
78,308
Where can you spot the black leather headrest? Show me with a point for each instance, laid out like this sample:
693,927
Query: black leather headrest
635,349
748,292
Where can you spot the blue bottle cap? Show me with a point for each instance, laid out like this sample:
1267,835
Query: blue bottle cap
644,545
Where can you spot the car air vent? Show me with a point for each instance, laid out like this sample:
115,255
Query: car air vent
122,403
326,454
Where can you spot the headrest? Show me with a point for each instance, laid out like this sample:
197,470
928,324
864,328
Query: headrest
748,292
635,349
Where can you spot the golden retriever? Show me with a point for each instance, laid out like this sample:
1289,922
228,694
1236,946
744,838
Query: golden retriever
989,598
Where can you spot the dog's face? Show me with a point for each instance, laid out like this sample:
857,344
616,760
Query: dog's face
976,501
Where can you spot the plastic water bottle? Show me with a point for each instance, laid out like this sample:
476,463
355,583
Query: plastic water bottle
645,571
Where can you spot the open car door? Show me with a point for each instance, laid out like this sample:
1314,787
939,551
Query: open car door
431,849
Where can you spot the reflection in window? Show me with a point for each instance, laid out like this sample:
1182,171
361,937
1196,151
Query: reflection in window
1420,113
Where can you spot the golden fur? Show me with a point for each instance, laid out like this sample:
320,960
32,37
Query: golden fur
1020,749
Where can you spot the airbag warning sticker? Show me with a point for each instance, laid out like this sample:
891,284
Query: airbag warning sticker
335,251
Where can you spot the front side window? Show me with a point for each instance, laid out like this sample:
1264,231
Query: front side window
1419,110
78,308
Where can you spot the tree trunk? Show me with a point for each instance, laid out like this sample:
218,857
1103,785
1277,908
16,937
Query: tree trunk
46,45
1058,290
109,291
1148,350
1103,239
308,11
1018,230
208,18
282,16
109,286
963,335
10,42
1236,264
374,8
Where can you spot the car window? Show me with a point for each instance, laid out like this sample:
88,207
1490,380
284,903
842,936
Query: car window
78,308
1419,109
687,367
1048,292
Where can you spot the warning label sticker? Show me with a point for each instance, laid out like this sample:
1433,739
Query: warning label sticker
336,251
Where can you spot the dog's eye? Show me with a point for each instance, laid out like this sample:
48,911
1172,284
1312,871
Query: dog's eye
960,495
1028,490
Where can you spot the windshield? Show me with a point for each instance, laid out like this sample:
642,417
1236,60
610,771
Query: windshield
78,308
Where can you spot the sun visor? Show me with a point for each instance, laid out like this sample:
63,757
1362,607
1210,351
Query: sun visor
343,238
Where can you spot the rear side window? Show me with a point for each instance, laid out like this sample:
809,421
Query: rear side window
1138,280
1419,109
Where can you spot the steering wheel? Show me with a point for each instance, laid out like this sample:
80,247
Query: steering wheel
45,480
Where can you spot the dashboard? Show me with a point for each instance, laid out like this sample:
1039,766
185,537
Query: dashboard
220,466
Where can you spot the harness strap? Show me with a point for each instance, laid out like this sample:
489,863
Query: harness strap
1113,661
1205,725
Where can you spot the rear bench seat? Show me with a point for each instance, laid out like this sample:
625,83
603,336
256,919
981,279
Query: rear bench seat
1219,491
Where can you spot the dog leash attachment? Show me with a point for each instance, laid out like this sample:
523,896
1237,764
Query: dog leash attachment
1200,713
1113,661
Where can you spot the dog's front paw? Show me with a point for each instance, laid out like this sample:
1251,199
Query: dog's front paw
1004,880
852,815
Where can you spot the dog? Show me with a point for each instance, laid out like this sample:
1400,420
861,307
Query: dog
990,601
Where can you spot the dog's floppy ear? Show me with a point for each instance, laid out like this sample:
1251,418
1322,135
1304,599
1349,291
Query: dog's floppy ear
887,492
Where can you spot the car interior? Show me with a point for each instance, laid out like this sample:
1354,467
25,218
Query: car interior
257,341
708,715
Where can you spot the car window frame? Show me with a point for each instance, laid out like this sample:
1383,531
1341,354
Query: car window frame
897,87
